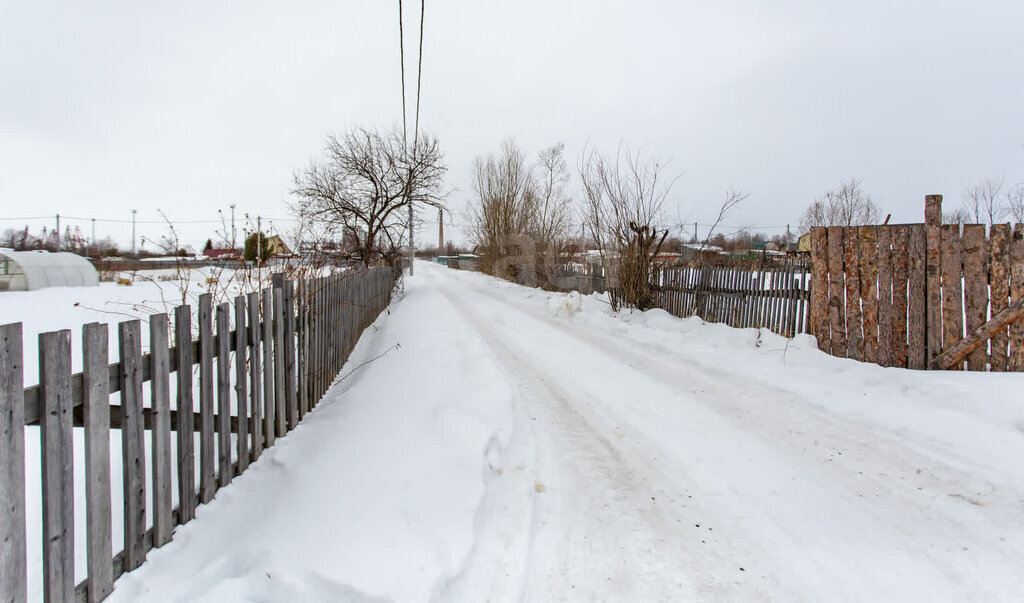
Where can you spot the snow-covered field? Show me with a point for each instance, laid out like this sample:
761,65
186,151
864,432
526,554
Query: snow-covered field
528,445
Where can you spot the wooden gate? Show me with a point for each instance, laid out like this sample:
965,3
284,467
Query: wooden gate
903,295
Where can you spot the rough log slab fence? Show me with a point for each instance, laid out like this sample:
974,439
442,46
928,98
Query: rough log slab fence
286,352
908,295
773,296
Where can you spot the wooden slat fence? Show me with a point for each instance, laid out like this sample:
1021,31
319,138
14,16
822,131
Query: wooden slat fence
774,296
284,350
904,295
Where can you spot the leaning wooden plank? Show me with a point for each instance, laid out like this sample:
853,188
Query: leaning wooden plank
290,389
917,299
58,471
207,452
954,356
952,288
1016,362
819,288
883,259
868,237
999,279
854,332
900,263
975,279
241,386
133,450
224,394
185,420
255,376
13,536
279,345
161,435
933,275
268,367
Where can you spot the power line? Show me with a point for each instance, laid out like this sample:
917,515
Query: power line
401,59
419,79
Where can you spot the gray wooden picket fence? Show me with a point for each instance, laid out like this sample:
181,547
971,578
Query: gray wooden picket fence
288,344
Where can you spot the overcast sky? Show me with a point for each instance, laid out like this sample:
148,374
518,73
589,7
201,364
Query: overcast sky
188,107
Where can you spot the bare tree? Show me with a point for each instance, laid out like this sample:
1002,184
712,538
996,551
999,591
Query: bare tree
499,218
958,216
552,224
1015,202
364,179
521,218
623,201
847,205
982,202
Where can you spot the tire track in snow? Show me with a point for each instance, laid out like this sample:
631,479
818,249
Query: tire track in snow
600,513
914,470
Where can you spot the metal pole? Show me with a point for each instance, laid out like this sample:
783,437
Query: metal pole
58,232
134,211
412,249
259,246
93,235
234,243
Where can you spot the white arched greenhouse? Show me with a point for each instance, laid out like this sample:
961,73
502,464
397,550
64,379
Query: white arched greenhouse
29,270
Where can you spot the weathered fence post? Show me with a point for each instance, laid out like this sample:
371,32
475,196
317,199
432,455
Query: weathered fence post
186,420
976,297
933,275
133,451
161,436
268,367
279,344
207,479
241,395
883,257
999,271
290,391
96,419
952,287
58,473
255,379
1016,361
224,394
13,537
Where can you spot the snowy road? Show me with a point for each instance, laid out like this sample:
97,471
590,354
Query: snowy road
522,445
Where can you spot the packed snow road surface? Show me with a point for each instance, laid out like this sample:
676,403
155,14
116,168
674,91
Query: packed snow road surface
523,445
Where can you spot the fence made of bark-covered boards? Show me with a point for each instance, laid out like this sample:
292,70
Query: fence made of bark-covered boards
286,346
920,296
773,295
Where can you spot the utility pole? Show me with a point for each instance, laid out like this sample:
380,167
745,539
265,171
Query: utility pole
58,232
695,233
787,236
134,211
440,231
412,249
259,245
234,244
93,239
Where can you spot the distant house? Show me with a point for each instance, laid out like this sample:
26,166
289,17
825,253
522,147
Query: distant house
277,246
690,252
223,254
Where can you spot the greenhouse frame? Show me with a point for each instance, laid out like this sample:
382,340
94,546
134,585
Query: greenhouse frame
31,270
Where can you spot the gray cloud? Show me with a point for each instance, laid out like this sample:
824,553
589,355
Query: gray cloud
192,106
